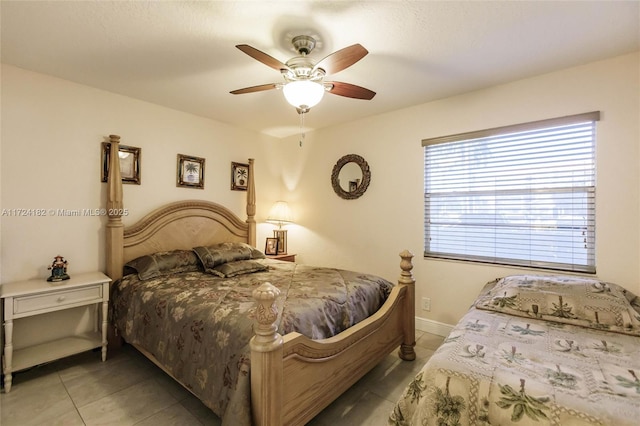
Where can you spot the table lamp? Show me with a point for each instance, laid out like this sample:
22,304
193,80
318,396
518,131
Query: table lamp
280,214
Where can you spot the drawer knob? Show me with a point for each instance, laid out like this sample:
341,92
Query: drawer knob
61,298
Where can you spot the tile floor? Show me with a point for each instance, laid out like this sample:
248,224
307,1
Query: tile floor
128,389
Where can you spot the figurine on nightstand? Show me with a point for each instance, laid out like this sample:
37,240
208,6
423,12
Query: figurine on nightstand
58,269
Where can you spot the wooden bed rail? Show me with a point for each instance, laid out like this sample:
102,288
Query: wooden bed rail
334,364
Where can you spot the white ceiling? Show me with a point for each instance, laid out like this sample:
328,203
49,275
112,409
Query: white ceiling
181,54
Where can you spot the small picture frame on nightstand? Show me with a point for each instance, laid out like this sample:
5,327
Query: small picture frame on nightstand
281,235
271,246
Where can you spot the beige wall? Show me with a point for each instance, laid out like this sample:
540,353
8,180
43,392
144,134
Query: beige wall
366,234
51,157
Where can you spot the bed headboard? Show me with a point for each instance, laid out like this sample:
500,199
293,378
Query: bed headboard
183,225
177,225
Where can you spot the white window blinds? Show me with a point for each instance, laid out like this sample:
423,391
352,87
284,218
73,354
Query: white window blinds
520,195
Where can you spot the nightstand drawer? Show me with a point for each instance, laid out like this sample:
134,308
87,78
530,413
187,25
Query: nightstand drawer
54,300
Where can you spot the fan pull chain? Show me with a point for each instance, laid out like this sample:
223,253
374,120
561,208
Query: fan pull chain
301,128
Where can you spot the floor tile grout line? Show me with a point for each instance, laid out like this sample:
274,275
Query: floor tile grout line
75,406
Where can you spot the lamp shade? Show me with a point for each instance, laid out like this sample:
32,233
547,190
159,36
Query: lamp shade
280,214
303,94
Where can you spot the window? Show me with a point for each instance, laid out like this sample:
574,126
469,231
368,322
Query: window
520,195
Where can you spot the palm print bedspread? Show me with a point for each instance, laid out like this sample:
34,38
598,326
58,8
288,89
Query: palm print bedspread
501,369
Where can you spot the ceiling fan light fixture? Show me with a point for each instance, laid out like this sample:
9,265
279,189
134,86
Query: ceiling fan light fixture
304,84
303,94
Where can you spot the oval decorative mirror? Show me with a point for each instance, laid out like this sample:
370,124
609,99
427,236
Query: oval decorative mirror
350,177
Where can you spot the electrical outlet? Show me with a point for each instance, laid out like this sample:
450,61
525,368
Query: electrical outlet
426,304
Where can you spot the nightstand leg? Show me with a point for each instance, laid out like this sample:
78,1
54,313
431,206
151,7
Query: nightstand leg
105,308
8,354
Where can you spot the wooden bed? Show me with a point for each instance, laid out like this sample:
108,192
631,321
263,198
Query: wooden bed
293,377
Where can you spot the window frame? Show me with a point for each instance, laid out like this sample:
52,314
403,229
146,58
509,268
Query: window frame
589,266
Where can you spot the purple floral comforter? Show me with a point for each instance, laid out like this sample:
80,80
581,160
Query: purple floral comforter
198,325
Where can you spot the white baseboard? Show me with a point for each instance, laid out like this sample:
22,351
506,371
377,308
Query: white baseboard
433,327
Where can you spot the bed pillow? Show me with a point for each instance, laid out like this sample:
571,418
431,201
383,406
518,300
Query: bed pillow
239,267
255,253
565,299
217,254
164,263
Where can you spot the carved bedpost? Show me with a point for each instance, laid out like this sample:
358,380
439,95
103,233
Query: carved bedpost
251,205
407,351
266,360
115,228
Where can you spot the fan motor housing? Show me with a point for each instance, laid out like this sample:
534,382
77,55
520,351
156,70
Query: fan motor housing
301,68
303,44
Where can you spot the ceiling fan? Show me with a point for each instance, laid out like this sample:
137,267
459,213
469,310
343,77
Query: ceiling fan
304,83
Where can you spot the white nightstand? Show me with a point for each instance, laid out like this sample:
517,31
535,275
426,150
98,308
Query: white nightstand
36,297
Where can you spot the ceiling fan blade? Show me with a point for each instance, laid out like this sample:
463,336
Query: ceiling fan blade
255,89
350,90
341,59
256,54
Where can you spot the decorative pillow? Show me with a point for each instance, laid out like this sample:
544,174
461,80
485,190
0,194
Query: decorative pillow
218,254
255,253
239,267
565,299
164,263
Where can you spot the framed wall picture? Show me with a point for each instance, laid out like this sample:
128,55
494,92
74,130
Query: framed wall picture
129,163
190,171
271,246
239,176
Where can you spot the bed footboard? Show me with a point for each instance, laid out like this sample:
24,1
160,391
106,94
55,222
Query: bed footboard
293,378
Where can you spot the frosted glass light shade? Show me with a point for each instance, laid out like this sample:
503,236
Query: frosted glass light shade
303,94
